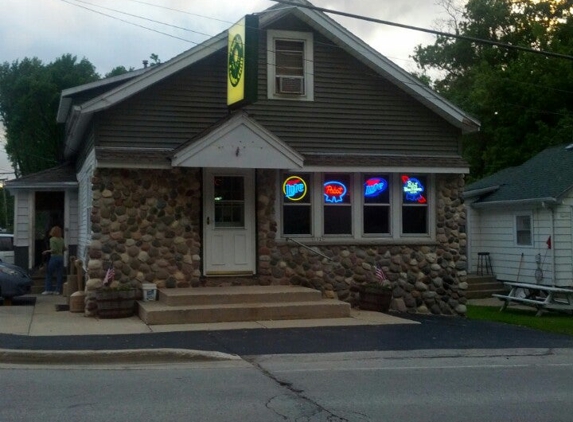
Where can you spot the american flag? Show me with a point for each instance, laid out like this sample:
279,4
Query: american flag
109,275
380,274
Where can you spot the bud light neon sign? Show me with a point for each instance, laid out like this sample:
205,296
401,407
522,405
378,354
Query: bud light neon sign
413,190
374,187
334,191
294,188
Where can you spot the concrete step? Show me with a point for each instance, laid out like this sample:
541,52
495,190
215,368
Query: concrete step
483,286
155,313
484,294
235,294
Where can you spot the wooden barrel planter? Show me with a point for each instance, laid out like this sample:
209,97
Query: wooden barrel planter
372,299
116,303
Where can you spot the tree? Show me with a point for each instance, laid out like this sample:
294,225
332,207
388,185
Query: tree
523,99
29,97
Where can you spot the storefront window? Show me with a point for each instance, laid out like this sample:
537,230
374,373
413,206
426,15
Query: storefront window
296,204
356,205
337,204
414,205
376,210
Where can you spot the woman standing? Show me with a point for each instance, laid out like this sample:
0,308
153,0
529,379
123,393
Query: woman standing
56,261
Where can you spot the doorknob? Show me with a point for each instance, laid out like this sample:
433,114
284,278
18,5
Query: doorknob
208,221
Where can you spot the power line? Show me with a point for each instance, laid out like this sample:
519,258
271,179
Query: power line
143,18
429,31
128,22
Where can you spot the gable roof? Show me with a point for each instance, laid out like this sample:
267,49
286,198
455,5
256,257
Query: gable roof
55,178
546,177
81,114
237,142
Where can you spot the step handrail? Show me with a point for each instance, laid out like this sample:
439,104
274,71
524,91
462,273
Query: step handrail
309,248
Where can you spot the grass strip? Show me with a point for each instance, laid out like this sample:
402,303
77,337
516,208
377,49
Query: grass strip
560,323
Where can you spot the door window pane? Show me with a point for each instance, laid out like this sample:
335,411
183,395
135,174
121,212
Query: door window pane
229,201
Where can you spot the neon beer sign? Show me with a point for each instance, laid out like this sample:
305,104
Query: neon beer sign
294,188
374,187
413,189
334,191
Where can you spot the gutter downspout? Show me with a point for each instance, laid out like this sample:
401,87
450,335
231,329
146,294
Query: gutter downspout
553,267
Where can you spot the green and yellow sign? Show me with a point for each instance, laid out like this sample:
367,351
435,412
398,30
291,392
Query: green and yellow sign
242,58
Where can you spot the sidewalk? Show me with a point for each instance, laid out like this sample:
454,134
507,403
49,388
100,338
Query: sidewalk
44,320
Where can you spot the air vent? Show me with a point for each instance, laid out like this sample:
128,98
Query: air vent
290,85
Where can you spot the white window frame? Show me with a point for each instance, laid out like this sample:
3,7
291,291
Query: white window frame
516,229
308,41
357,204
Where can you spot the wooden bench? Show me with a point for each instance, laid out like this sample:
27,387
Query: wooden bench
540,296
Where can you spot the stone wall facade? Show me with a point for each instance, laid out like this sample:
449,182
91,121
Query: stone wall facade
147,224
426,278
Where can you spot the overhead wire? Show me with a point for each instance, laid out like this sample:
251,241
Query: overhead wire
331,45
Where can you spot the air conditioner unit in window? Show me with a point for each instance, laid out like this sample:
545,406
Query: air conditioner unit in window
290,85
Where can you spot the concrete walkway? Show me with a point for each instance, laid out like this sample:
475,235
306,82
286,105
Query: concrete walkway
44,320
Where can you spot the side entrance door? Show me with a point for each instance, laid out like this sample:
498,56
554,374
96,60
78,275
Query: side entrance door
229,221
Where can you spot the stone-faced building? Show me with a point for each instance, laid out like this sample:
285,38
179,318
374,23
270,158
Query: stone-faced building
339,163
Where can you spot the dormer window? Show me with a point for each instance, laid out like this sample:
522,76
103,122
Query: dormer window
291,65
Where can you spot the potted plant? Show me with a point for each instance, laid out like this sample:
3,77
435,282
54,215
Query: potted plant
376,295
115,299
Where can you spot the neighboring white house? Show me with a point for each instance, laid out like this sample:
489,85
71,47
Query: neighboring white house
523,217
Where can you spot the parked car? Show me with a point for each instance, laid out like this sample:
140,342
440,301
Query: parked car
7,248
14,281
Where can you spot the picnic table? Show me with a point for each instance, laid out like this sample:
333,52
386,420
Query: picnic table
538,296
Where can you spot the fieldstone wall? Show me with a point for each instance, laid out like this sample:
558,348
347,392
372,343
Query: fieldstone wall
146,223
427,278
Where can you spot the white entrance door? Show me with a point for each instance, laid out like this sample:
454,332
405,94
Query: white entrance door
229,221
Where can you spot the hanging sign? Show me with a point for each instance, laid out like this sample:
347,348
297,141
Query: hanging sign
374,187
294,188
242,62
334,191
413,189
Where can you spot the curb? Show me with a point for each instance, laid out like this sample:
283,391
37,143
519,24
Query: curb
104,357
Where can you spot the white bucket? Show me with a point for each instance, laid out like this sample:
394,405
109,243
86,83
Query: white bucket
149,292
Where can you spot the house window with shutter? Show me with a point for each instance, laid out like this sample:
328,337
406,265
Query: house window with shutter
290,65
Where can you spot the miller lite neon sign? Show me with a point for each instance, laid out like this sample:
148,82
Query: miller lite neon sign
294,188
334,191
374,187
413,190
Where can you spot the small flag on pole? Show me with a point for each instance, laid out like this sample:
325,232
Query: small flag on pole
380,274
548,242
109,275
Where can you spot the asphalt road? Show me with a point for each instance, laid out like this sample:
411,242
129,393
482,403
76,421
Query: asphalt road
434,332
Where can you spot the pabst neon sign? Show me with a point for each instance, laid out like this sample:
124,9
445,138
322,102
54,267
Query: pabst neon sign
294,188
413,189
334,191
374,187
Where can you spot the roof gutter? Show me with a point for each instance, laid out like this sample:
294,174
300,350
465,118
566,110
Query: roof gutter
519,202
479,192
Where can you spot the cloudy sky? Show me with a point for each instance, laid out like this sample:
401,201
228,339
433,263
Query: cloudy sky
112,33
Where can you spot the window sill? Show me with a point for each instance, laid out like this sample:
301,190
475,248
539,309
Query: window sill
358,242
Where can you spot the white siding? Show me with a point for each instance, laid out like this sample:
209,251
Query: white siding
85,205
23,203
493,231
563,242
72,226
